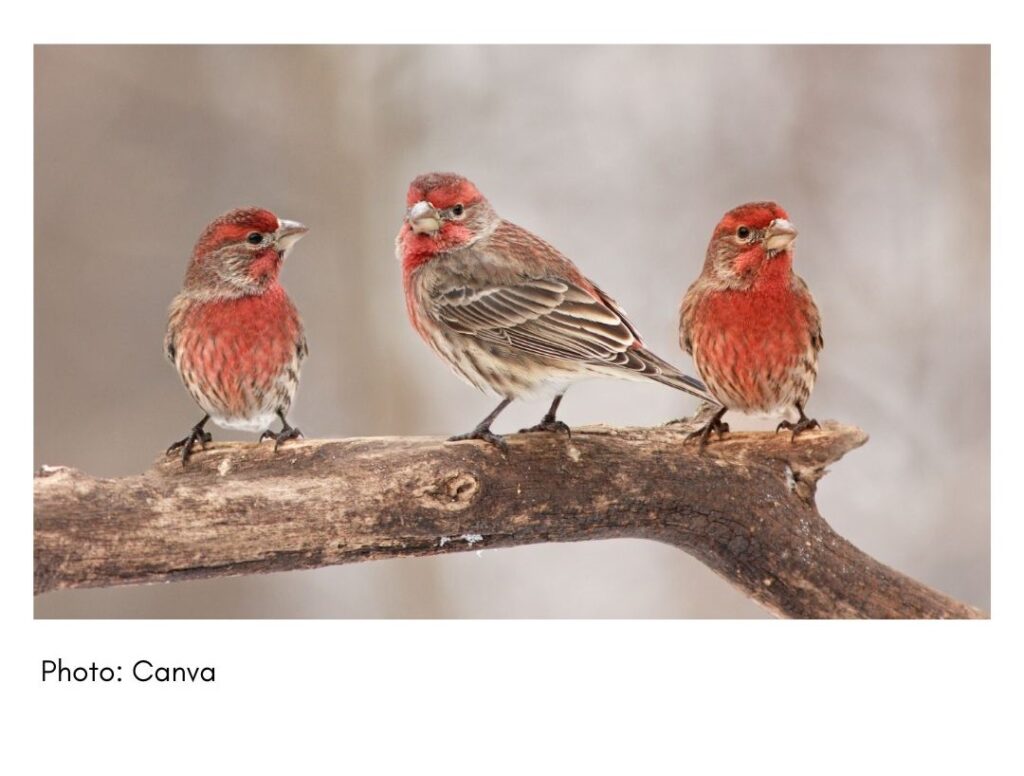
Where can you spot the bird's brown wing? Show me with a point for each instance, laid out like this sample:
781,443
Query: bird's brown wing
170,347
554,317
813,315
543,316
179,307
686,310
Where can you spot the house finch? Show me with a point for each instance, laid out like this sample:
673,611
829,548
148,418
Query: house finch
234,335
750,323
507,311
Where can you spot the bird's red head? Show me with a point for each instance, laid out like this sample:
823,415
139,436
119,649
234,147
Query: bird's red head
444,212
442,190
746,239
241,252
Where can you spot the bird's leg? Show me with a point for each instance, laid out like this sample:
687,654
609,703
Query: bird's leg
715,424
196,435
802,424
705,410
287,432
483,429
548,422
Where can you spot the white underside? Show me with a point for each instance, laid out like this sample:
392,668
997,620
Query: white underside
540,389
256,423
784,411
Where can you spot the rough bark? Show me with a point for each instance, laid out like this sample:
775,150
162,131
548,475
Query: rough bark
744,507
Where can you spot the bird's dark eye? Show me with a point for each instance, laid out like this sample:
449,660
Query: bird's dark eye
254,238
743,233
458,210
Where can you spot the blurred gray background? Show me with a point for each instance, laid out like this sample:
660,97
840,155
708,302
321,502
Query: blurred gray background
624,158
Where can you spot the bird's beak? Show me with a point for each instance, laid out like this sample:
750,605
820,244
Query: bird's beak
780,235
423,218
288,233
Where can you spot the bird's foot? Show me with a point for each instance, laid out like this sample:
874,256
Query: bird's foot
706,412
715,424
282,436
485,435
186,444
803,424
548,424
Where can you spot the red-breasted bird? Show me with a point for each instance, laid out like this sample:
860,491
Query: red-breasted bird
234,335
750,323
509,313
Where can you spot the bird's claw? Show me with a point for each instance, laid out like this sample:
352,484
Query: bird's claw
280,437
485,435
186,444
548,424
801,425
718,426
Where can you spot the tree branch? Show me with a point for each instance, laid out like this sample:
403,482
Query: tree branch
745,508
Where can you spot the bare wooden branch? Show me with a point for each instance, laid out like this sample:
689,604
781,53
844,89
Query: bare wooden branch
745,507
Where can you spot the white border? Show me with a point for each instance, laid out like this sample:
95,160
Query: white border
511,697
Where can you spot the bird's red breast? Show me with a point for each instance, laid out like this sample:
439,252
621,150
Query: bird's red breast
749,343
233,351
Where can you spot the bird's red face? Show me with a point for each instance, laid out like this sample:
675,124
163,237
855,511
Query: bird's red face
444,212
242,251
748,238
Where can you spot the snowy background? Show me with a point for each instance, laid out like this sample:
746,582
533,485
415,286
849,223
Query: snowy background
624,158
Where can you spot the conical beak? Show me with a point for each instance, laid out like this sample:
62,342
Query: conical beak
780,235
288,233
423,218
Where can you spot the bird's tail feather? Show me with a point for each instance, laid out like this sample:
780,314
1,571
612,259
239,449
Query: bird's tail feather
663,372
684,382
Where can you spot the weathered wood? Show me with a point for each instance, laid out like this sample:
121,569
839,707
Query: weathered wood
745,507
